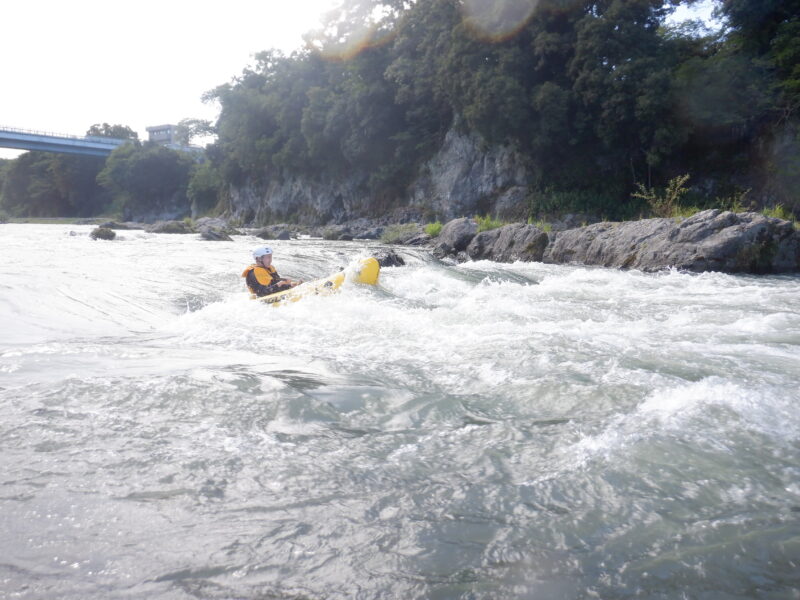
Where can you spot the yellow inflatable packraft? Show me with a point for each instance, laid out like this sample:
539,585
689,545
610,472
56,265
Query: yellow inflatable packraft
363,271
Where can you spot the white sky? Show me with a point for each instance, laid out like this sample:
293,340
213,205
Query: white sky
67,64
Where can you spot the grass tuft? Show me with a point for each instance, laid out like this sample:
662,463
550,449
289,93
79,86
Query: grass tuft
433,229
541,224
397,234
778,212
487,223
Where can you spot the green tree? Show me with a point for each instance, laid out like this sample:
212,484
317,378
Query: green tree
148,181
189,129
42,184
205,187
597,95
121,132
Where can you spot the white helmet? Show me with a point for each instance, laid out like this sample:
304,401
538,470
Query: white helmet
261,251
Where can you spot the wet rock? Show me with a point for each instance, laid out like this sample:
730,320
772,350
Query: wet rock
274,232
711,240
336,232
509,243
370,233
364,229
402,233
214,234
418,239
117,225
170,227
389,258
455,237
217,222
103,233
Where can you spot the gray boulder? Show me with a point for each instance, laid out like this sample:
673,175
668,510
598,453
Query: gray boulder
218,222
103,233
418,239
389,258
369,233
274,232
337,232
711,240
170,227
214,234
509,243
455,237
118,225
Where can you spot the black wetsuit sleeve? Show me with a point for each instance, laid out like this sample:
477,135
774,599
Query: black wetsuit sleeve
263,290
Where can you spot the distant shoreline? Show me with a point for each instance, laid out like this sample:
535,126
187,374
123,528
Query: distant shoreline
57,220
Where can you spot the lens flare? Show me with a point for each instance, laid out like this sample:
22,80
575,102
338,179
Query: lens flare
497,20
349,30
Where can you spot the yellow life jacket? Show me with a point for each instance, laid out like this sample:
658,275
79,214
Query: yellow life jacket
263,276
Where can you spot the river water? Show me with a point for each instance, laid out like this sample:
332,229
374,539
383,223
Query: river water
475,431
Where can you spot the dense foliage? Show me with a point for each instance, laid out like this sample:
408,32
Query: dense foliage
148,181
138,181
43,184
599,95
40,184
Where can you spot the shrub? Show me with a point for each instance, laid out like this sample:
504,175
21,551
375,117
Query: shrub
541,224
664,205
433,229
487,223
733,202
552,201
397,234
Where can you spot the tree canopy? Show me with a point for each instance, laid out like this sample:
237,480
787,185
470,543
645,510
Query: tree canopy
599,94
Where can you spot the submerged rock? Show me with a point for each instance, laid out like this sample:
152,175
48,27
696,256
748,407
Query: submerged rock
711,240
103,233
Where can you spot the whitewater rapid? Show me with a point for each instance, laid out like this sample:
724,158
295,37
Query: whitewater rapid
459,431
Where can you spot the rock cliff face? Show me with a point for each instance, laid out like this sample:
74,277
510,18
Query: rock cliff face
466,179
463,178
303,200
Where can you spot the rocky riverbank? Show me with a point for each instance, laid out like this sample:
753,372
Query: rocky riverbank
712,240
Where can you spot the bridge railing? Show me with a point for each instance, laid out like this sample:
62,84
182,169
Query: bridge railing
90,138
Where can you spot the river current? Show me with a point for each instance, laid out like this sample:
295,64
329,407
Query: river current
475,431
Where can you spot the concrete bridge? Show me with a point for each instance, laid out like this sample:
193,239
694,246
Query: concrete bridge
23,139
